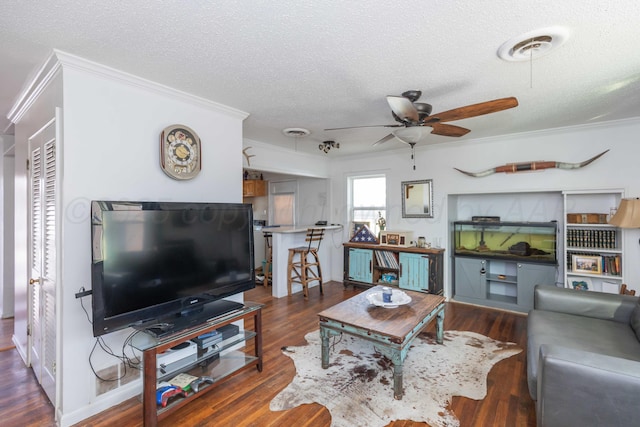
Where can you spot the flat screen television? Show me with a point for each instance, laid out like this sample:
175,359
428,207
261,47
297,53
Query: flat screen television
168,264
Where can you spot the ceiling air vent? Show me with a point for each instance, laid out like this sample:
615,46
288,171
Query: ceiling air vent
533,44
296,132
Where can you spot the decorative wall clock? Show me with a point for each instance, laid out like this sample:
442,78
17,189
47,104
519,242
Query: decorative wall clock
180,152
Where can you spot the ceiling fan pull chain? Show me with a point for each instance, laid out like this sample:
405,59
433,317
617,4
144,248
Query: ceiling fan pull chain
413,155
531,67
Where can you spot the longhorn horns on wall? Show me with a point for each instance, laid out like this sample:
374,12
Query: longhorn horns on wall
532,166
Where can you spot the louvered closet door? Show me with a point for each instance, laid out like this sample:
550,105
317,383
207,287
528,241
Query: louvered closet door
42,310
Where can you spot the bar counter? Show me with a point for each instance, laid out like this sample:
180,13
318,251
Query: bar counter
291,237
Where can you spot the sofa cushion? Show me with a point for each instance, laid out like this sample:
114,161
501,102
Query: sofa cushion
578,332
635,320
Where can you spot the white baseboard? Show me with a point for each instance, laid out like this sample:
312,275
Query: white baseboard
21,351
102,403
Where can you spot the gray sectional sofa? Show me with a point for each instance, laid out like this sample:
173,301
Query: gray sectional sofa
583,358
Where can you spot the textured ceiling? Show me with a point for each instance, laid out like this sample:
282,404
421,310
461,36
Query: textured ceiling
325,64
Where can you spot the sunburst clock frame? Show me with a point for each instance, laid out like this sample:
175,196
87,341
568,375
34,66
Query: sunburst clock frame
180,152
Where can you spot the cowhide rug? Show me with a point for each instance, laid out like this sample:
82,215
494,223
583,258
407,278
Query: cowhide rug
357,388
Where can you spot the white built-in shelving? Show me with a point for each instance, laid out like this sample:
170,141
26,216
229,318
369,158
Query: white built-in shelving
593,253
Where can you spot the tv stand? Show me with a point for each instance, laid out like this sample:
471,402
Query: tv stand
230,362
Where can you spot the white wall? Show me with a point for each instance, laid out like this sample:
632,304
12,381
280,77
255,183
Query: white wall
110,150
7,169
313,201
616,169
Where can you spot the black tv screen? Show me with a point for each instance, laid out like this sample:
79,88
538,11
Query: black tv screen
157,261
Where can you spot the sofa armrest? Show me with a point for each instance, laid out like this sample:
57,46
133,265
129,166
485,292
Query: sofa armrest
579,388
585,303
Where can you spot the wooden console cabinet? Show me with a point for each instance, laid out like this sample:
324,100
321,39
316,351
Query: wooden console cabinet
417,269
229,363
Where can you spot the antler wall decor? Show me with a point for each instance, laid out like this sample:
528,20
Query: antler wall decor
248,156
532,166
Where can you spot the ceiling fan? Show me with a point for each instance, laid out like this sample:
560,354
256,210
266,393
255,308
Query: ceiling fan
412,114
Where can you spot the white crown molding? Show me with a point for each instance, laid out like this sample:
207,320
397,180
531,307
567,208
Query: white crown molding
38,83
555,131
61,60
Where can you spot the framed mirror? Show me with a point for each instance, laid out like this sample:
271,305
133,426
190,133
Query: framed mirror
417,199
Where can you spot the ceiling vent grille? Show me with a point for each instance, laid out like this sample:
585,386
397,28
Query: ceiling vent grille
533,44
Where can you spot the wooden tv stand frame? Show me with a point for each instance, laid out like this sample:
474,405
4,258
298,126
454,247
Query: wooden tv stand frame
219,370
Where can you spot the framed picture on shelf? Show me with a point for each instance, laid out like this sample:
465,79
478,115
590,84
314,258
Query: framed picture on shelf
581,285
586,264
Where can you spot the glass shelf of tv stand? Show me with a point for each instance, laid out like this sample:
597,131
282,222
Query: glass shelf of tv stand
227,362
218,371
143,341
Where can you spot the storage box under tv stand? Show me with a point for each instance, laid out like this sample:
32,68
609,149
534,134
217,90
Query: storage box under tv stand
230,362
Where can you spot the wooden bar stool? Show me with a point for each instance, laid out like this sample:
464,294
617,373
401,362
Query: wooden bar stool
304,262
269,258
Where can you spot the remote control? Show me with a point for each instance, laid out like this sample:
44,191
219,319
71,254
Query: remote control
195,384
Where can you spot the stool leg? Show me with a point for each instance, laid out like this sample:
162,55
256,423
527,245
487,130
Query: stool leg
289,271
303,271
317,256
267,276
317,274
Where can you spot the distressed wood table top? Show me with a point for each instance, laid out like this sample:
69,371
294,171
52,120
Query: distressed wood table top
395,323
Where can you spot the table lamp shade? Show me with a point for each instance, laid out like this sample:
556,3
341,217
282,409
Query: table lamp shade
628,214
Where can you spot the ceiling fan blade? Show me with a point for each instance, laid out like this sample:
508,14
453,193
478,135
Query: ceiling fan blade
474,110
448,130
385,139
369,126
403,108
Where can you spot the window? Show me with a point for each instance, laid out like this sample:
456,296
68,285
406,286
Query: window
368,200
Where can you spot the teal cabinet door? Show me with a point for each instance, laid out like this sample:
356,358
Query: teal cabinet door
361,265
414,272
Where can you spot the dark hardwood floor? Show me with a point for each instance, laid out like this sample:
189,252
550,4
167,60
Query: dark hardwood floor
22,401
243,400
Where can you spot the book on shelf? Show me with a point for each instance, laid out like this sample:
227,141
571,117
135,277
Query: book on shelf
610,264
591,238
386,259
183,380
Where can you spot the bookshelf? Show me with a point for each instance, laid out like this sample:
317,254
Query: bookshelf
594,256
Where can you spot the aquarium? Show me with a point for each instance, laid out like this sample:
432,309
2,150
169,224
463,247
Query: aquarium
526,241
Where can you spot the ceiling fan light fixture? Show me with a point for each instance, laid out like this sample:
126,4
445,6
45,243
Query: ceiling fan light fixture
409,135
533,44
328,145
